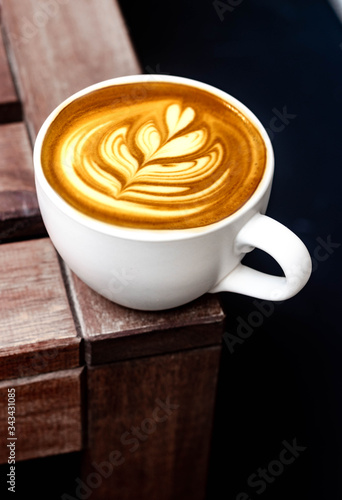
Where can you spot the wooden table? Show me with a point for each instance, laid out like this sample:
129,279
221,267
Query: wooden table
132,391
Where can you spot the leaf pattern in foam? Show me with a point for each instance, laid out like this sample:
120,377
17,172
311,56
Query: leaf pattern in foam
177,120
182,145
148,139
117,172
115,151
104,181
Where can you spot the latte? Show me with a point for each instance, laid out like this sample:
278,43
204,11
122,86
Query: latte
154,155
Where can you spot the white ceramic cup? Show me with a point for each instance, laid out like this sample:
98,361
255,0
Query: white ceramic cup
160,269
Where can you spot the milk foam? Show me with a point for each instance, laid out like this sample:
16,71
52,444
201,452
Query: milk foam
158,164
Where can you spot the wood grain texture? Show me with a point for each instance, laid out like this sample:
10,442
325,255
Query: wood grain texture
10,107
48,414
149,426
19,212
58,47
112,332
37,331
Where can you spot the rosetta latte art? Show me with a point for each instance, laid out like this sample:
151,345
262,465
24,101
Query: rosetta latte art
165,168
162,183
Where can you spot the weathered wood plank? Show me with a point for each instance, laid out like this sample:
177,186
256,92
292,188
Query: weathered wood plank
149,426
37,331
19,212
58,47
10,107
48,414
39,357
112,332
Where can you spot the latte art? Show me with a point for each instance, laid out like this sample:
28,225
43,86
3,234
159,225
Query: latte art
171,175
181,158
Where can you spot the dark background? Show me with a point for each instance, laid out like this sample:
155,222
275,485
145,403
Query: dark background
283,383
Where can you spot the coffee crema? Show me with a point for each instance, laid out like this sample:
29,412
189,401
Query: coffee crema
153,155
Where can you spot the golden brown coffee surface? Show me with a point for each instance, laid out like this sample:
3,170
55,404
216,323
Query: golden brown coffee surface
153,156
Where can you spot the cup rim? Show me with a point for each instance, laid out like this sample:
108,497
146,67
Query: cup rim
151,234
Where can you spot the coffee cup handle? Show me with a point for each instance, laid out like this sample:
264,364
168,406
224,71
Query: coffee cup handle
284,246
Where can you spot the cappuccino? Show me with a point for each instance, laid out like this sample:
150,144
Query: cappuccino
172,157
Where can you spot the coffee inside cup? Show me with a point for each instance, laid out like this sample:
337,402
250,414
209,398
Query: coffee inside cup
156,155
